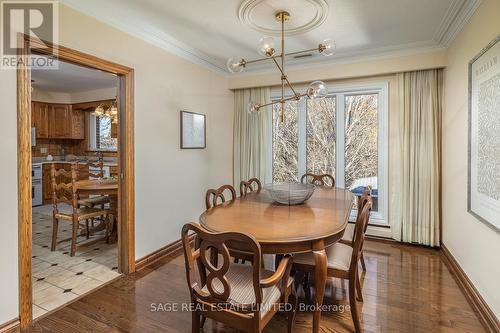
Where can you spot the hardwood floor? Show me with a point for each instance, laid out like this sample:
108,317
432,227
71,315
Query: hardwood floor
406,289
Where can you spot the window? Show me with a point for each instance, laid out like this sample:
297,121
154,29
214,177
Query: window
102,134
321,135
285,143
344,134
361,144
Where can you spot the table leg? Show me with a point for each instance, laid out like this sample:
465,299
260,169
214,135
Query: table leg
320,261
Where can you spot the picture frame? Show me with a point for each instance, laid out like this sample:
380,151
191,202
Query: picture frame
193,130
483,200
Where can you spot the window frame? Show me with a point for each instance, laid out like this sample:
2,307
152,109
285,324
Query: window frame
380,218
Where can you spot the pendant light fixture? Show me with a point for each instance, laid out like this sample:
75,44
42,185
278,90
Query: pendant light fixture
111,111
316,89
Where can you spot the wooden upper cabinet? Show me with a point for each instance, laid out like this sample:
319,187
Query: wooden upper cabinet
77,124
57,121
65,123
60,121
40,119
114,130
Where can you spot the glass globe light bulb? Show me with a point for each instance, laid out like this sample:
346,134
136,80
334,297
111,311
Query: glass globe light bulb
266,46
317,89
113,111
235,65
253,108
327,47
99,110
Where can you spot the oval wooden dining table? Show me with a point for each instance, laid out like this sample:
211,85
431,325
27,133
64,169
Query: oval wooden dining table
283,229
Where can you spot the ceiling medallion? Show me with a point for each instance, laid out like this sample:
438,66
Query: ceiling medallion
318,17
268,50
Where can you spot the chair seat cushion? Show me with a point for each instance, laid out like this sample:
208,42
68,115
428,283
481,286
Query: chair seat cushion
349,233
83,214
240,279
338,255
93,201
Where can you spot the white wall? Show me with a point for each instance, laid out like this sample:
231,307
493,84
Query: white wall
75,97
50,96
94,95
474,245
8,197
170,183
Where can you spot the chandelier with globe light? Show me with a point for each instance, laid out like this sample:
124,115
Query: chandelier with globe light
316,89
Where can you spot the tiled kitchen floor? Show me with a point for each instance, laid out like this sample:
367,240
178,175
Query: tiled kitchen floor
59,278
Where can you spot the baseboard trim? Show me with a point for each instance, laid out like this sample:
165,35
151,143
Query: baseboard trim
10,326
167,250
486,315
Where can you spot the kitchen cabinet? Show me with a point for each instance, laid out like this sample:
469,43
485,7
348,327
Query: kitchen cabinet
40,120
77,126
57,121
46,184
114,130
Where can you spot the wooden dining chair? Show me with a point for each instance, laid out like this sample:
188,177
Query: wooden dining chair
245,297
252,185
348,237
319,180
95,200
342,261
213,195
64,191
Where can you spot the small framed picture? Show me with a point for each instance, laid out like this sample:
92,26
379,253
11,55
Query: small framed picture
193,130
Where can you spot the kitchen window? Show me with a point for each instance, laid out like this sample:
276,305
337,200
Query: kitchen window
343,134
102,134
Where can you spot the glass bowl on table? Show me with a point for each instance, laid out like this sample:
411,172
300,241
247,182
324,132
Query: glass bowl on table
289,193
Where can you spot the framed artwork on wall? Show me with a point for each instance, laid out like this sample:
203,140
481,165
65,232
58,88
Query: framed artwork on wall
484,135
193,130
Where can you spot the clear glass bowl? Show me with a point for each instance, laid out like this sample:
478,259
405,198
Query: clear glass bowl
289,193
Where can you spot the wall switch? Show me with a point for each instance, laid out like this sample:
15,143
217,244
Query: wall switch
43,150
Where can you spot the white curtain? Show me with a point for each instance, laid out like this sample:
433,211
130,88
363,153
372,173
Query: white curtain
417,192
251,135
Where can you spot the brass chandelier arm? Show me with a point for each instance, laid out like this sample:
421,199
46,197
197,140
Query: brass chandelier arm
284,77
283,100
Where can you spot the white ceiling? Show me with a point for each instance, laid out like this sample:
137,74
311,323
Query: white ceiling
69,78
209,32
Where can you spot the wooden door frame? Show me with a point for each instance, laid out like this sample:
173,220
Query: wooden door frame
126,192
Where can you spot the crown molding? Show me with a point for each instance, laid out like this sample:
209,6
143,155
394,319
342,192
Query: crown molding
156,38
457,16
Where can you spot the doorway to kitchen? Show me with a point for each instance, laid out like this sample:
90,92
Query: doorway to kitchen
75,172
74,128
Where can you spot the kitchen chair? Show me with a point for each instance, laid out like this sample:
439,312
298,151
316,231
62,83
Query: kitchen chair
66,192
245,297
320,180
342,261
213,195
98,200
348,236
248,187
